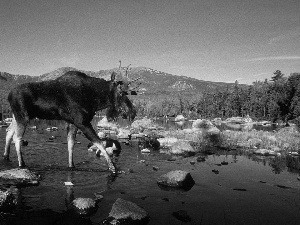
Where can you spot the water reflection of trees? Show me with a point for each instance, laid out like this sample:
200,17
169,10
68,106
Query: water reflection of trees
277,163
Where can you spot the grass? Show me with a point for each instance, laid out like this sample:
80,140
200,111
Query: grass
285,140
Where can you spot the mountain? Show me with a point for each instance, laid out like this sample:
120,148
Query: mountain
150,81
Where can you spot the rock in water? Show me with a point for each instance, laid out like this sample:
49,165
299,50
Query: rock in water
7,201
176,179
126,212
19,177
84,206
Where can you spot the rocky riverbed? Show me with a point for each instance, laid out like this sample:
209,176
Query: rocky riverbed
229,186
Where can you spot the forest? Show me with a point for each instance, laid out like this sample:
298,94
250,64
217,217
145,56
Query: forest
276,100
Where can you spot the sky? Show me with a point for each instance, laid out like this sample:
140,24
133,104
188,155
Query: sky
213,40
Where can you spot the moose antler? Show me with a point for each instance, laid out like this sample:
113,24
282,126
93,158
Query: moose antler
125,69
124,73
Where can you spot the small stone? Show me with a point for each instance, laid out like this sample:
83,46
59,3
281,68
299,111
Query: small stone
7,201
155,168
201,159
224,163
84,206
145,150
192,162
215,171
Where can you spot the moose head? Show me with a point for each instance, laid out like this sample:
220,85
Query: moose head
120,104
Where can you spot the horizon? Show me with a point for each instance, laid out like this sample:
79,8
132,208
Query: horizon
209,40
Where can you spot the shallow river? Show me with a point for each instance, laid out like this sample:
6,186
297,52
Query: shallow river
249,190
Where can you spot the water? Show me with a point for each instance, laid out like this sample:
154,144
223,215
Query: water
249,190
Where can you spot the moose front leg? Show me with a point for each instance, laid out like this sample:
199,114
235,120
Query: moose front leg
71,135
90,133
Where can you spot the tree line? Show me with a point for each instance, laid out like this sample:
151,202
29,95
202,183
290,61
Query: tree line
277,99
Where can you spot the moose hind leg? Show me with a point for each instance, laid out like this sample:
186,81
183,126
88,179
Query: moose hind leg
71,135
19,132
9,135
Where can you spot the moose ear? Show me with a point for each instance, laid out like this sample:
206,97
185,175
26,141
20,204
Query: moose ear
113,77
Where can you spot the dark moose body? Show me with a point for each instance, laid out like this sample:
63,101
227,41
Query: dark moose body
74,97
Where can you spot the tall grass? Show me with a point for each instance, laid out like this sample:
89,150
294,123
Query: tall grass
286,139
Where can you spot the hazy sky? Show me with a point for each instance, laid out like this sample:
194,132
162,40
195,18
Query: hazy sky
216,40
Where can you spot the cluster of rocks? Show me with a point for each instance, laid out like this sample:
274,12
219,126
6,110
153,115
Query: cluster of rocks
150,136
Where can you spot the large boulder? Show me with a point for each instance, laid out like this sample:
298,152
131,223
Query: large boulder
126,212
167,141
19,177
176,179
183,148
7,201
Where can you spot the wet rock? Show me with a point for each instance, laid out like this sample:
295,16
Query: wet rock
155,168
182,216
282,186
192,162
167,141
239,189
126,212
84,206
224,163
7,201
176,179
265,152
201,158
145,150
215,171
183,148
123,133
137,135
19,177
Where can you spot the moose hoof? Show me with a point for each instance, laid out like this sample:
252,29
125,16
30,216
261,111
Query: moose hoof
113,170
6,157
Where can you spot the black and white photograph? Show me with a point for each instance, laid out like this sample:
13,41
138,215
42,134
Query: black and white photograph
149,112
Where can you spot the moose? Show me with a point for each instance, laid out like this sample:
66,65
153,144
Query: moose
73,97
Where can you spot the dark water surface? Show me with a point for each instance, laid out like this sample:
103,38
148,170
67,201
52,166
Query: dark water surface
249,190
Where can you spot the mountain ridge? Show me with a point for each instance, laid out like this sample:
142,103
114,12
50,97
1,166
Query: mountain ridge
151,81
